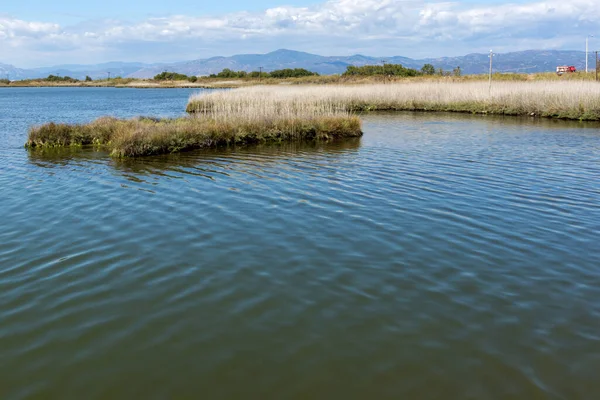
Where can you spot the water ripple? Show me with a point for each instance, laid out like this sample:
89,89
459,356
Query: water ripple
435,248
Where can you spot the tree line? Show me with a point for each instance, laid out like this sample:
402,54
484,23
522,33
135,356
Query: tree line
351,70
278,73
174,76
229,73
397,70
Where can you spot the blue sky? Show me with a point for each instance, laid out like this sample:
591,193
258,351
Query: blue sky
41,32
72,11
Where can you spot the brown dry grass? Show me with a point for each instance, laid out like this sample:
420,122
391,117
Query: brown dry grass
146,136
555,99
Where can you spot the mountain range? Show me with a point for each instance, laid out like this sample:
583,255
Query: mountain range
521,61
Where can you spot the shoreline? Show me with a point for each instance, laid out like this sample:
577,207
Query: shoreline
321,80
120,86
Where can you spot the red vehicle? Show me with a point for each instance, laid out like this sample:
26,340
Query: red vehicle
565,69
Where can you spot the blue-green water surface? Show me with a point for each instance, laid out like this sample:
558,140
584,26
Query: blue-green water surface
438,257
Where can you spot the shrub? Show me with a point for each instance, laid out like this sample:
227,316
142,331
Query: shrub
88,78
428,69
291,73
386,70
171,76
227,73
56,78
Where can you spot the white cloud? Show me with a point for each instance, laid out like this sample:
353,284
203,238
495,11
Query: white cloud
334,27
15,28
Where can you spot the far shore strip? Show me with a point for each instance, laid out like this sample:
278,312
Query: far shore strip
315,112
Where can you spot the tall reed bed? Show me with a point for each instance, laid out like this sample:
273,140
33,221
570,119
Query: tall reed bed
554,99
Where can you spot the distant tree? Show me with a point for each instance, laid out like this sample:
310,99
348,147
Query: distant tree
88,78
55,78
456,71
291,73
388,70
169,76
428,69
227,73
5,81
192,79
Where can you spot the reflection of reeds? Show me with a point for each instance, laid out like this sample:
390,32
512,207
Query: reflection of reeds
554,99
145,136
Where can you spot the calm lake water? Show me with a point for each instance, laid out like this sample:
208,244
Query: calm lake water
438,257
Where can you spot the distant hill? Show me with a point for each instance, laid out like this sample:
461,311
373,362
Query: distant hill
522,61
12,72
96,71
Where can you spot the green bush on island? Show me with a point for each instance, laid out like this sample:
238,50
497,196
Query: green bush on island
59,79
428,69
5,81
291,73
174,76
228,73
386,70
88,78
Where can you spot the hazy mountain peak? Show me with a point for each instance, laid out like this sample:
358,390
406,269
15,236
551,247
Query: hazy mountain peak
474,63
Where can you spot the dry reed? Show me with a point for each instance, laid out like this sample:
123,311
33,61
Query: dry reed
578,100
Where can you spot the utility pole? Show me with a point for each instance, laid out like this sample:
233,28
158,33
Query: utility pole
586,52
491,66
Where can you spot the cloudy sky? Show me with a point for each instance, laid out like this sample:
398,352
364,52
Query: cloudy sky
41,32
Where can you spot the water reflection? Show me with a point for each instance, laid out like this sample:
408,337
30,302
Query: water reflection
62,156
54,157
444,118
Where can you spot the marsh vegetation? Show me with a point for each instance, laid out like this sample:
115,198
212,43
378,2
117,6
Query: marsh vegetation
223,125
553,99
